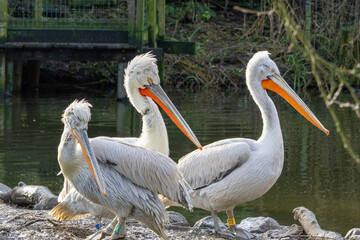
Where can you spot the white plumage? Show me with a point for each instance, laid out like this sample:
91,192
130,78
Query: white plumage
133,176
141,71
233,171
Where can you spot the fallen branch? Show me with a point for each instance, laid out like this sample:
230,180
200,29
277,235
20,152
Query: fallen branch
41,220
258,13
311,226
16,217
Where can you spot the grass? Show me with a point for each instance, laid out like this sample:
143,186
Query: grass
228,39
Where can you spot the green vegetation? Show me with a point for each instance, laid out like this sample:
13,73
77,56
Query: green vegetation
316,44
234,30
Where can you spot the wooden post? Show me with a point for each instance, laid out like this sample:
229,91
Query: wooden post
308,19
17,78
34,74
344,45
131,21
139,24
152,23
161,35
2,72
121,93
9,77
3,20
3,35
161,19
38,11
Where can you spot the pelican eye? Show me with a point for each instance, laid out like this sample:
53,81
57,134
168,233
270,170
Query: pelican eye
149,80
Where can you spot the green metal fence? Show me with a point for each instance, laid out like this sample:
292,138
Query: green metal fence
66,14
79,30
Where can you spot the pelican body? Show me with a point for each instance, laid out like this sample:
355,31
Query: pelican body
123,178
142,84
234,171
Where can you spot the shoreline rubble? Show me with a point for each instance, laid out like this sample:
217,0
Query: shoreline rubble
24,223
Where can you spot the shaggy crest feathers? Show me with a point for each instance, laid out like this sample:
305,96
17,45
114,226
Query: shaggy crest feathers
80,109
262,55
140,62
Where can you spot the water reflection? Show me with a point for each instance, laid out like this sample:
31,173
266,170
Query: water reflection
317,173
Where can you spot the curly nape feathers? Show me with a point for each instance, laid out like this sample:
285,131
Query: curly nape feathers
80,109
140,62
262,55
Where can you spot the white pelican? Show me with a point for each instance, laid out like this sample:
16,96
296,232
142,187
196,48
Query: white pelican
123,178
234,171
142,84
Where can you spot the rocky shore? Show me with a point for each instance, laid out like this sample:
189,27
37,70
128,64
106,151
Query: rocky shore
27,223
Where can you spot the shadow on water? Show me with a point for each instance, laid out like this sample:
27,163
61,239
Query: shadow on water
317,173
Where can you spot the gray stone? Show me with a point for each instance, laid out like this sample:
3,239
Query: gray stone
208,222
38,197
271,234
177,218
353,234
259,224
4,188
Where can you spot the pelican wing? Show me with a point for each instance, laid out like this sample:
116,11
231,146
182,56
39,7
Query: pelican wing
144,167
75,205
213,163
128,140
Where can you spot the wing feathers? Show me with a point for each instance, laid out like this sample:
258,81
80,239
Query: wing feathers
144,167
215,162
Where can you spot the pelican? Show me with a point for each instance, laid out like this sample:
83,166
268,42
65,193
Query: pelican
142,85
121,177
237,170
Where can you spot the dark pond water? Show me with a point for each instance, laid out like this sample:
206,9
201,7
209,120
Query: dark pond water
317,174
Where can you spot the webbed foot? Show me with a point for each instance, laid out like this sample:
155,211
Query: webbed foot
117,233
240,233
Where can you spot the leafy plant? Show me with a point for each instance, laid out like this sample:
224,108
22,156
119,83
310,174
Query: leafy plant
195,11
297,68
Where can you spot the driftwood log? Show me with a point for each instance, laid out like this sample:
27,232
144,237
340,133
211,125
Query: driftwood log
311,226
36,197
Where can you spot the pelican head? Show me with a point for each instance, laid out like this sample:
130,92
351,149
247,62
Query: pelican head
76,117
142,83
262,73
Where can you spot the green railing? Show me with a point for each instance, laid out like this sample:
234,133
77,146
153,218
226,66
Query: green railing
79,30
143,20
67,14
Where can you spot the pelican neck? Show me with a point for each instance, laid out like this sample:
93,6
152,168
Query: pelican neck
154,133
271,124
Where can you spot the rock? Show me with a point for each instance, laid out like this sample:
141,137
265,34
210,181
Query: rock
353,234
4,188
38,197
208,222
271,234
177,218
25,224
259,224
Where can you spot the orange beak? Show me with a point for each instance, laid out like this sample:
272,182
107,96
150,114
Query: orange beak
93,165
277,84
156,93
